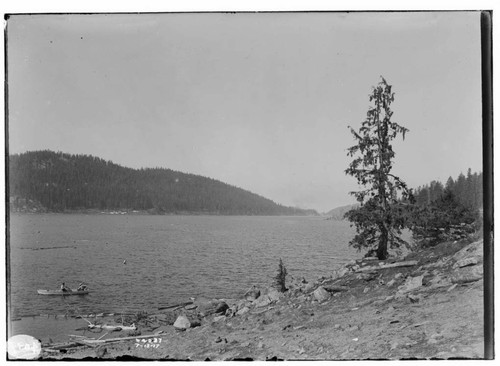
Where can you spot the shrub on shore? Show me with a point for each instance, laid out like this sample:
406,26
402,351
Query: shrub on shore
281,277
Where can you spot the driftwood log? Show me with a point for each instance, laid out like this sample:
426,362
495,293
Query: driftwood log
175,306
392,265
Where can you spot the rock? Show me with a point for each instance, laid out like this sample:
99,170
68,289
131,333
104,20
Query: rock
301,298
218,318
195,323
321,294
470,261
412,283
390,283
274,295
206,307
366,276
262,301
398,275
161,317
351,263
337,326
231,311
451,288
243,304
221,308
473,249
242,311
252,294
366,290
467,274
190,307
309,287
100,351
182,323
413,298
340,273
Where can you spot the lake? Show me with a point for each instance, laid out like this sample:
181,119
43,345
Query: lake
168,258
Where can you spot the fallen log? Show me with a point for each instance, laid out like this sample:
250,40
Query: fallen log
112,327
175,306
59,346
384,266
336,288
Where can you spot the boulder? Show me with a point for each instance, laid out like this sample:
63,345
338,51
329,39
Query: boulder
411,284
182,323
252,294
274,295
205,306
467,274
339,273
232,310
351,263
321,294
309,287
221,307
219,318
473,249
208,307
469,261
242,311
262,301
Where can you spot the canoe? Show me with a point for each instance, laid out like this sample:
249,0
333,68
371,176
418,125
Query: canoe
62,293
112,327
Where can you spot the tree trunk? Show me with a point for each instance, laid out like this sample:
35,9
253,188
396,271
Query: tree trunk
382,245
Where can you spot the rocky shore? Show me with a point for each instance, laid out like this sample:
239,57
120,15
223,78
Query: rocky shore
426,305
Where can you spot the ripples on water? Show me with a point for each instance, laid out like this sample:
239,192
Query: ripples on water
169,258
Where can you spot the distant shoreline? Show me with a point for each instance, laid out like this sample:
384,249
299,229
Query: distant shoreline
145,213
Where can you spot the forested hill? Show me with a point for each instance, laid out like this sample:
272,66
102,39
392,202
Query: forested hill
339,212
60,182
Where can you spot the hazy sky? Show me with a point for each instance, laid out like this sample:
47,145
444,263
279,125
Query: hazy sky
260,101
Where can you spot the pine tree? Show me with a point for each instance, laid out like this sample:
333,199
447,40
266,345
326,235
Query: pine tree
381,215
280,278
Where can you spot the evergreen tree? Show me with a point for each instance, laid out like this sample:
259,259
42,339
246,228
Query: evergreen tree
445,219
381,215
280,279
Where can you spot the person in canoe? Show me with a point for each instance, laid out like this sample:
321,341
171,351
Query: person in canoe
64,288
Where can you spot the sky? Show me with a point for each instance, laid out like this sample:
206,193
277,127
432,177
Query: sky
261,101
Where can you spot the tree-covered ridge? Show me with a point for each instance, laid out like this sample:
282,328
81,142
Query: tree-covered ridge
468,190
61,182
448,213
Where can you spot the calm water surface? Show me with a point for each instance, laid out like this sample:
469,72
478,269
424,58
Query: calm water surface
168,258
